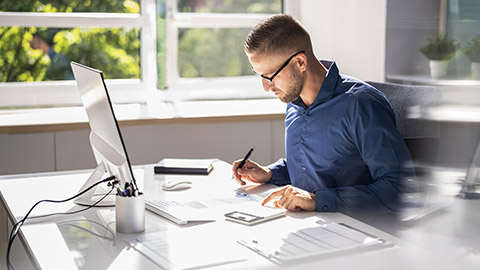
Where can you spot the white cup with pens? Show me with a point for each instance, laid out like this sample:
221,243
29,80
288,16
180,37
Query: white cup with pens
129,210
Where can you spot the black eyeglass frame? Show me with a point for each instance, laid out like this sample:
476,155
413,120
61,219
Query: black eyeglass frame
270,79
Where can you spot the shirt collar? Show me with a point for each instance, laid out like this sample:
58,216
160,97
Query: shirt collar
328,86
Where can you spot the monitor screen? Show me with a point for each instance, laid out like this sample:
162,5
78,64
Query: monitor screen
105,136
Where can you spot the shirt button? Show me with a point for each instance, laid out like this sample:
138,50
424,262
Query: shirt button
303,168
301,140
325,208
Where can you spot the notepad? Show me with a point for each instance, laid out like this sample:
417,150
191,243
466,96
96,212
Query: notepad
184,166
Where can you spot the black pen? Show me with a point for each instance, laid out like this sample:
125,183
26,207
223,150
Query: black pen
244,160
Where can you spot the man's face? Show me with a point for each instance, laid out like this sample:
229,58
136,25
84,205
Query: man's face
286,84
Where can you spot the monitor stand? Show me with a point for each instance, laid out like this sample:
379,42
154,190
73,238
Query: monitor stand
471,186
93,195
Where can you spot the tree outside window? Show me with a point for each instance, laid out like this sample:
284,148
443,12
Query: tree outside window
43,54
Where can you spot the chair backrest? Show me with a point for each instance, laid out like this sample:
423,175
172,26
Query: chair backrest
421,136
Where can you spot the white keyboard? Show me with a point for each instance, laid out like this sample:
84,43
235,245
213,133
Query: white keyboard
180,213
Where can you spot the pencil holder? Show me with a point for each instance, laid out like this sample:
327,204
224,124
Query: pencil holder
130,214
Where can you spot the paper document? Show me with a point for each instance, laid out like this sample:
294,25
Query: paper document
311,241
184,252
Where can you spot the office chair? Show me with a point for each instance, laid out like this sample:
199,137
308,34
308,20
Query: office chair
421,136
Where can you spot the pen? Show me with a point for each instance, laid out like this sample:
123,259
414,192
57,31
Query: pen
245,159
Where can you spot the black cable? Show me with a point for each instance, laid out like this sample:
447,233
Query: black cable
76,211
19,224
71,198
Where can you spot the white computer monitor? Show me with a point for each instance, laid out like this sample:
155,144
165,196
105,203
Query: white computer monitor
105,136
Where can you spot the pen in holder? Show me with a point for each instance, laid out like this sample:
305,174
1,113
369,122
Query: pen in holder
130,213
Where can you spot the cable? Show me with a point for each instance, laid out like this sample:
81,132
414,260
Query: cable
76,211
107,229
19,224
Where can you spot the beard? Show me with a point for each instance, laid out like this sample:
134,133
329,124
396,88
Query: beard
294,89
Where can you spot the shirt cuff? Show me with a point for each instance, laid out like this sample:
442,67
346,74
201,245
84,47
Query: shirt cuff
278,177
325,200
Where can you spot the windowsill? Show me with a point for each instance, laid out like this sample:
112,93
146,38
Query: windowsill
71,118
426,79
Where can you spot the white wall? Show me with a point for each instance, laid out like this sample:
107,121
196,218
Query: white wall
27,152
351,32
70,150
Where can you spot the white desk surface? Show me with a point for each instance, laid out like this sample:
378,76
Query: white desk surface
88,240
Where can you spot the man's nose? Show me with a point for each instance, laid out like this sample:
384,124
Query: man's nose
267,85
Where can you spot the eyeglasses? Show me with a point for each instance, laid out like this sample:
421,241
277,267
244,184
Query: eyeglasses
270,79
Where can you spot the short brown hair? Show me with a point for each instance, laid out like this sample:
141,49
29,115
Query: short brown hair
279,33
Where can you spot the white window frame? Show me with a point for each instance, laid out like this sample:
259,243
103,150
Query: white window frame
14,94
65,92
240,87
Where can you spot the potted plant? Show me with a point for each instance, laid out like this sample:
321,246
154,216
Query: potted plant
472,51
439,51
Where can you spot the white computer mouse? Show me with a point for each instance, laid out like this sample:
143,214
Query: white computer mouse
176,185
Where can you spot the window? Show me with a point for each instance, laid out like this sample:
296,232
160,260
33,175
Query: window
463,26
39,38
444,31
189,47
205,58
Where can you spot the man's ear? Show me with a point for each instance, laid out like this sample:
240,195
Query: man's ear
301,61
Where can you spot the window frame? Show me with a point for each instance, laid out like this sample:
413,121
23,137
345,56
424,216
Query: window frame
19,94
240,87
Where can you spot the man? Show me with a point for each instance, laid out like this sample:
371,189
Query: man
343,151
59,68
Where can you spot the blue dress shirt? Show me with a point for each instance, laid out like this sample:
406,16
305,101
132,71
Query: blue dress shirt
345,148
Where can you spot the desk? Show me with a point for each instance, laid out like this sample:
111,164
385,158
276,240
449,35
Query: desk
87,240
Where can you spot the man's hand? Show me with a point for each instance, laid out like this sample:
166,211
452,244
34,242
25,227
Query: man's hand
251,171
292,199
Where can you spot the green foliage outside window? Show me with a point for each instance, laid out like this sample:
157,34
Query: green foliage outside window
121,6
230,6
114,51
212,53
201,52
217,52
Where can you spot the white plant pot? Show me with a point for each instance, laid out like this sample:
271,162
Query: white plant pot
475,70
438,68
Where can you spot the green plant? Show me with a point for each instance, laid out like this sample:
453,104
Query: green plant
115,51
440,48
472,49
